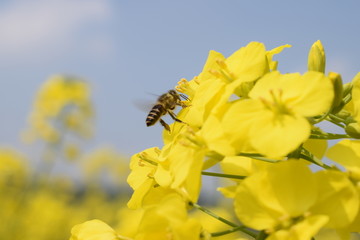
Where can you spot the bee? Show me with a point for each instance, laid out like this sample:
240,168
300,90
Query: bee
166,103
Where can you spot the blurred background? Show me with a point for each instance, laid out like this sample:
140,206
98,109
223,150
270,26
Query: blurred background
132,51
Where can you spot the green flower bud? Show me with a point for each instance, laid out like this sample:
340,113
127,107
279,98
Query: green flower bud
316,58
353,129
338,91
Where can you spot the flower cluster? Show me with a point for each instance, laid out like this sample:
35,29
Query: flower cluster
62,107
261,127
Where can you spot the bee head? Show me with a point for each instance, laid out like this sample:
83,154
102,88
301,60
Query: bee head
173,92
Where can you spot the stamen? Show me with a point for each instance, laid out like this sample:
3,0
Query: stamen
186,87
221,63
182,85
276,104
216,73
146,158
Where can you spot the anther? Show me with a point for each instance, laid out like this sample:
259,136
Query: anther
214,72
221,63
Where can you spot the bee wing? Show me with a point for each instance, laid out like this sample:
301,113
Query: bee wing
144,105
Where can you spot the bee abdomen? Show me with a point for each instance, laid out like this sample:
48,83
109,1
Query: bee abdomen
154,115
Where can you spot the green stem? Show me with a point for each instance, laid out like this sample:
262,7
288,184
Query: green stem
262,235
240,228
258,157
207,211
222,175
336,118
329,136
321,118
308,158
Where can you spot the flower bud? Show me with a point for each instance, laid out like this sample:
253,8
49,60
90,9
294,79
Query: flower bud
316,58
338,91
353,129
347,88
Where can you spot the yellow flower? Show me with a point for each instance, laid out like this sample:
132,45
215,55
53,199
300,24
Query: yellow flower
356,96
94,230
274,120
59,91
233,75
272,52
62,103
168,220
13,168
288,201
175,168
222,77
317,59
347,153
180,165
141,179
240,166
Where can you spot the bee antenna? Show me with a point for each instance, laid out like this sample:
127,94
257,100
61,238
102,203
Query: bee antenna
184,96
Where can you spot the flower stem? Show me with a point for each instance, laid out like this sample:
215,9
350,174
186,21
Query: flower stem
258,157
222,175
336,118
207,211
262,235
235,229
241,228
307,155
329,136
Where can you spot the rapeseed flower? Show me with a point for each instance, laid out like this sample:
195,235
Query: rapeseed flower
298,207
347,154
94,229
141,179
274,118
61,103
168,220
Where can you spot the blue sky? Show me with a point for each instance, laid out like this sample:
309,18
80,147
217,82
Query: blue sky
128,49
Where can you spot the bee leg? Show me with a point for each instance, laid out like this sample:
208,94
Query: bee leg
164,124
172,115
183,105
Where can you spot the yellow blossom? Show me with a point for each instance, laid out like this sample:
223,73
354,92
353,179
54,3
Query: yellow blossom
168,220
62,103
94,230
222,77
13,168
141,179
274,120
298,207
347,153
